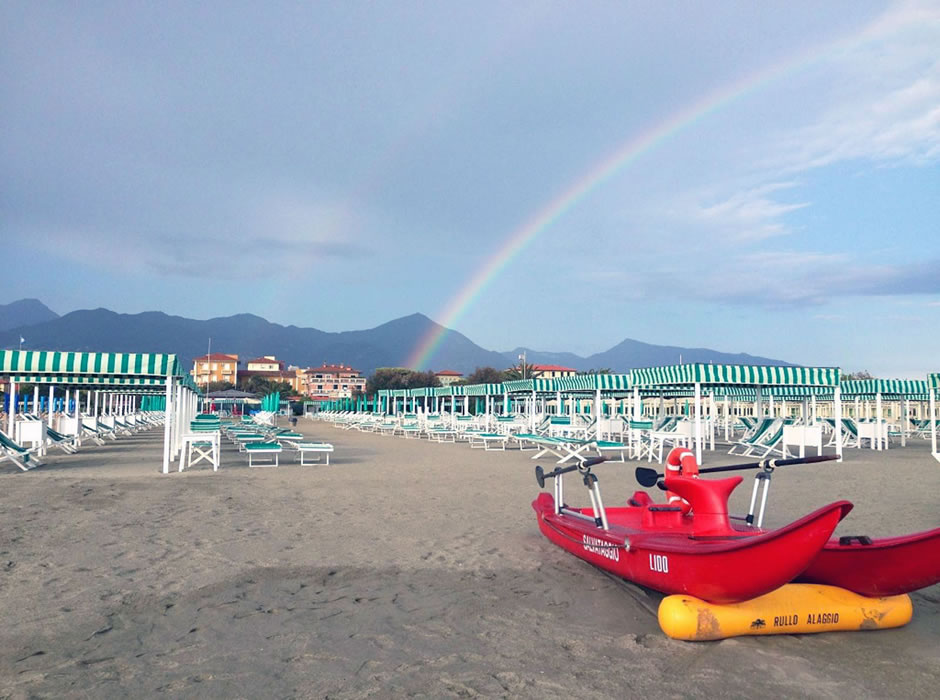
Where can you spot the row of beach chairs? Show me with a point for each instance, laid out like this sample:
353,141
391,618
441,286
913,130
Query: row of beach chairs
34,437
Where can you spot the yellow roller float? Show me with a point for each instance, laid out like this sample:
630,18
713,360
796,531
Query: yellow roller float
796,608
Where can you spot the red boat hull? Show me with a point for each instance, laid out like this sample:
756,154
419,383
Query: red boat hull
720,568
885,567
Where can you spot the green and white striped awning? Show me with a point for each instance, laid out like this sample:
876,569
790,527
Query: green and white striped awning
113,363
88,380
788,393
544,386
885,387
935,380
484,389
736,374
91,369
593,382
452,390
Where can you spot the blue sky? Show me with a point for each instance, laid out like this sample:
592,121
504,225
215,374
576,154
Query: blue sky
340,164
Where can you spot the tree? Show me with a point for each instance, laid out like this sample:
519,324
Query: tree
219,386
399,378
861,374
601,370
417,380
256,384
514,373
485,375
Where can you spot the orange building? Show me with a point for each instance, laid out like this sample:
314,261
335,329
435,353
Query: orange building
448,377
268,363
333,381
217,367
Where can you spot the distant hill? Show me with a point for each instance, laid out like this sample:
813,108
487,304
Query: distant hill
630,354
25,312
387,345
248,336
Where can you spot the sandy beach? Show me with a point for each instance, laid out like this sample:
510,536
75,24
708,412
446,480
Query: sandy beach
404,568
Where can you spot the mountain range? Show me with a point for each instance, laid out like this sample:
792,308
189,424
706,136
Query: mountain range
250,336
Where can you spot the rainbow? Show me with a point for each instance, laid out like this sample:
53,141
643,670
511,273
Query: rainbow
519,239
625,155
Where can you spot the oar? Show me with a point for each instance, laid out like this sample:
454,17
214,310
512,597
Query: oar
541,476
649,477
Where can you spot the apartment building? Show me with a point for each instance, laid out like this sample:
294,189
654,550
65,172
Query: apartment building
216,367
333,381
551,371
448,376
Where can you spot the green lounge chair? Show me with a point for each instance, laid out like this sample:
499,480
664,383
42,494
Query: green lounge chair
22,457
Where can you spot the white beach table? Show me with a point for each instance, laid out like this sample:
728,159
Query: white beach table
206,445
802,436
316,448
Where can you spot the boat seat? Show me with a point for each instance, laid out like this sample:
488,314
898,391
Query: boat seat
659,516
709,501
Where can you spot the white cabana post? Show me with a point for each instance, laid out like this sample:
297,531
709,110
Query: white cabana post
12,415
837,409
933,387
880,431
598,414
905,421
727,419
167,424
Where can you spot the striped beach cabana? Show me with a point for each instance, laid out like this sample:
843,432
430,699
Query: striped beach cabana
530,390
441,393
933,381
425,393
756,376
595,385
484,394
902,391
96,372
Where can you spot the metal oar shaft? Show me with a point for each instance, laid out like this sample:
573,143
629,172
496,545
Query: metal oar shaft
769,463
648,477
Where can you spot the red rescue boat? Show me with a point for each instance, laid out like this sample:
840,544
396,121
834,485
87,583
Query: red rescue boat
676,550
870,567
